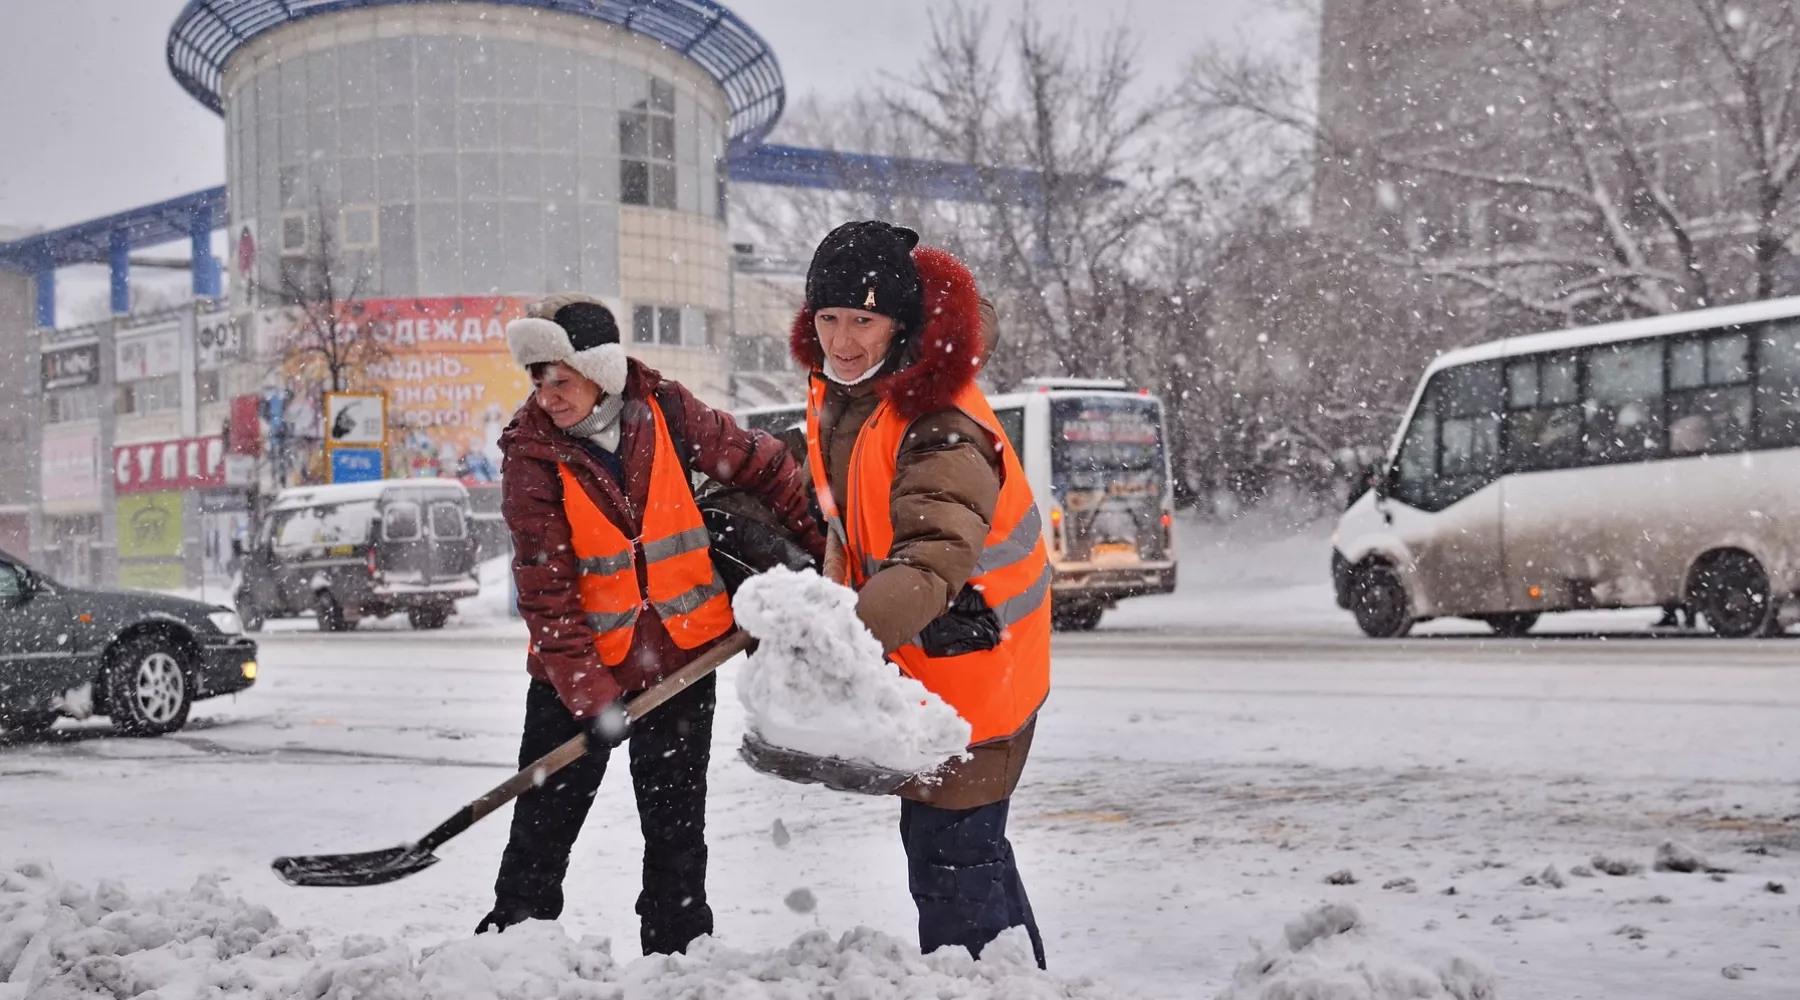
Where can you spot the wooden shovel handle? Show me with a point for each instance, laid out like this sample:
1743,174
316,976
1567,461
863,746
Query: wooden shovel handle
571,751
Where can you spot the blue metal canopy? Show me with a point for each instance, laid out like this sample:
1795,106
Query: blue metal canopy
207,32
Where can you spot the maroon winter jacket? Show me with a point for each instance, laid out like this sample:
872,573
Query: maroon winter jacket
562,644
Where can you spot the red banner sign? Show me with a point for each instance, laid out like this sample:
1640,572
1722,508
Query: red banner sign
155,466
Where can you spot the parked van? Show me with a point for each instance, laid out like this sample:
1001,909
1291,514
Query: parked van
356,550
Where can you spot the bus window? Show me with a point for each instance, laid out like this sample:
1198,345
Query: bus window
1543,419
1709,394
1624,402
1778,385
1012,422
1107,442
1452,447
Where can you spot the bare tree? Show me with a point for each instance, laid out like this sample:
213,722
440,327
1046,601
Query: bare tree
1059,247
1602,161
322,345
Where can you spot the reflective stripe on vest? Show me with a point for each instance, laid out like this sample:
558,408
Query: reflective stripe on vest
679,582
997,691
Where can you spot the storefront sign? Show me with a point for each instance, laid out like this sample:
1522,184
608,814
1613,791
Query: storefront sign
217,339
149,533
186,464
69,367
355,465
149,353
70,465
355,419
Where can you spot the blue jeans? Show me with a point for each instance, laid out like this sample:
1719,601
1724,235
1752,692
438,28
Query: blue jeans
963,877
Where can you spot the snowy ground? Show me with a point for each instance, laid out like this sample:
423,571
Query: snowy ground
1208,761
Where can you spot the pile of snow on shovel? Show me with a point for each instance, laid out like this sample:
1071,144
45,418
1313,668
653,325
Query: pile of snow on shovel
817,682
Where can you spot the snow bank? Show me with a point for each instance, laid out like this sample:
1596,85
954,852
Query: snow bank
60,941
818,683
1331,953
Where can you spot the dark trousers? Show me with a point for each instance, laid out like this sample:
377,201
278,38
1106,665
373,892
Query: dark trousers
963,877
669,748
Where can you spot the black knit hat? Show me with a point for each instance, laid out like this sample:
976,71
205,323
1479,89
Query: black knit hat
868,266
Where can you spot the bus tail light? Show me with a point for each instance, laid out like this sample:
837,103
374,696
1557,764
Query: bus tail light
1168,526
1056,529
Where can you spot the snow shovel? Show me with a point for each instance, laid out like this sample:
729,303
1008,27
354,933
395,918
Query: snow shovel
394,863
835,773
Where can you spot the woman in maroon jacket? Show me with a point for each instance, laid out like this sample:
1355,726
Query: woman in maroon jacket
589,422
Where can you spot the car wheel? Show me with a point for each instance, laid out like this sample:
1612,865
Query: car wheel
1379,601
148,690
1512,624
1076,618
428,618
27,724
330,613
1732,591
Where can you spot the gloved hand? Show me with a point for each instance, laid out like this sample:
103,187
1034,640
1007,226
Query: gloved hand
609,727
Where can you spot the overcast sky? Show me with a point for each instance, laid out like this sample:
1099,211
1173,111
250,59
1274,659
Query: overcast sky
93,123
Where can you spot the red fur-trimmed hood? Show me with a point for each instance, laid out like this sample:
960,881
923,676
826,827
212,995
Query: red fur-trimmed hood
942,359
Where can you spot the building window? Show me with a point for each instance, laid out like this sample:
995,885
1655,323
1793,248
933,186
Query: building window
647,149
293,233
206,387
656,325
358,227
150,395
68,407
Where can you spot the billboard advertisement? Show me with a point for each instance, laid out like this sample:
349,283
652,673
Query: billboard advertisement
71,465
150,541
71,367
148,353
450,381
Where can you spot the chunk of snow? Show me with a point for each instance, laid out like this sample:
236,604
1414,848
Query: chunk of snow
1332,953
1617,866
63,940
1673,857
819,684
801,901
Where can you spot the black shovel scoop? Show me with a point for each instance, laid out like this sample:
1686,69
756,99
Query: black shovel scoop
835,773
394,863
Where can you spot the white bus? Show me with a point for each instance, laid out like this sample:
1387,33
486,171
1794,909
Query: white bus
1650,463
1096,455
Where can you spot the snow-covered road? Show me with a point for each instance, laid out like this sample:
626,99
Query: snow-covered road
1193,786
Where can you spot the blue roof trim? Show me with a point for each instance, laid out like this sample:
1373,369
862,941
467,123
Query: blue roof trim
90,242
830,170
207,32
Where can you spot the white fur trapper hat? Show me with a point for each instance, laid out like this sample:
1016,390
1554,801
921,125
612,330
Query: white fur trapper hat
573,330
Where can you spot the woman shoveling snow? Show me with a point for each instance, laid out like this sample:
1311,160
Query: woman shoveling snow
934,527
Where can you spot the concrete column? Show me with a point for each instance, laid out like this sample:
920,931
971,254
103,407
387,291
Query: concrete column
205,265
106,561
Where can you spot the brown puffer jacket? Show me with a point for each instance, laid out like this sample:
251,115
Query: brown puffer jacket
946,485
562,644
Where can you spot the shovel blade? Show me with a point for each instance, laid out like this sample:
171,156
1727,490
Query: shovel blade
834,773
348,871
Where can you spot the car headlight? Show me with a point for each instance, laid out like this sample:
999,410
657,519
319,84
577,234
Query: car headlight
226,622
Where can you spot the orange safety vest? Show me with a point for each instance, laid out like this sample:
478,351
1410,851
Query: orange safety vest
995,690
673,549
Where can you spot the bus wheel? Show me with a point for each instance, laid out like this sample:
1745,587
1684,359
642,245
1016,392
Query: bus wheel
1512,624
1076,618
1732,591
1378,599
